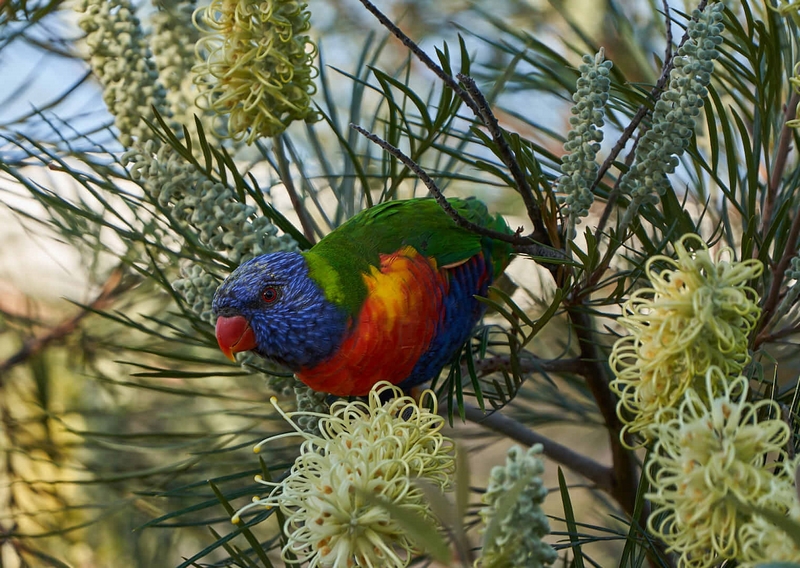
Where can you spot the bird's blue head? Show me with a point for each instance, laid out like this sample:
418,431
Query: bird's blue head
270,305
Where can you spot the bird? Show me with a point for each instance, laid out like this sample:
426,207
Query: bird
389,295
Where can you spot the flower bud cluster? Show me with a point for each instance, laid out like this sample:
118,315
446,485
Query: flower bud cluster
675,112
583,140
172,40
197,288
121,60
309,404
212,211
257,68
518,540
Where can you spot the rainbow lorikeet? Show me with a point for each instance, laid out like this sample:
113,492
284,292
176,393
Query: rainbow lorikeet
388,295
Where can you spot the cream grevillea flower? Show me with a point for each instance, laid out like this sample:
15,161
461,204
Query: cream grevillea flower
762,541
697,313
711,452
257,67
366,452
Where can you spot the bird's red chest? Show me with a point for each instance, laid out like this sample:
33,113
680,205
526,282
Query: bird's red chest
395,326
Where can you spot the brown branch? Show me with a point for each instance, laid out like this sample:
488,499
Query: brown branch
781,155
462,222
37,344
780,334
602,476
625,479
530,365
475,100
668,30
597,473
778,271
507,156
421,55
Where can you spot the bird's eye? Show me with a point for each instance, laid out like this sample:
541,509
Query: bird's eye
270,294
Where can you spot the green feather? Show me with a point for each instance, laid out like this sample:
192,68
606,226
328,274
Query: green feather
339,260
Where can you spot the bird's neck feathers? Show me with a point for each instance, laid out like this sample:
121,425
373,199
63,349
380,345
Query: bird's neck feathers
339,272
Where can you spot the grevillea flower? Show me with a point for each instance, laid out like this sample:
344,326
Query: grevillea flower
521,525
762,541
366,452
257,67
787,9
696,315
711,455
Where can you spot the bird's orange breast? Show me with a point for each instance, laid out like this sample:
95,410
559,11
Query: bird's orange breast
396,324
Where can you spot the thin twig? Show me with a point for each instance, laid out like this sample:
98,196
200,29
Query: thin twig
778,271
597,473
604,263
668,23
529,365
462,222
780,334
286,177
778,168
507,156
475,100
421,55
36,345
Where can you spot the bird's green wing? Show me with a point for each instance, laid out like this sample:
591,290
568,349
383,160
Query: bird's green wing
338,261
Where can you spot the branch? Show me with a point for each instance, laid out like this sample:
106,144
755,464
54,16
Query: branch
421,55
781,155
462,222
597,473
625,479
668,24
778,271
529,365
507,156
780,334
475,100
36,345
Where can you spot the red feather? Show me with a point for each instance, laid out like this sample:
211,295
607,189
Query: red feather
400,316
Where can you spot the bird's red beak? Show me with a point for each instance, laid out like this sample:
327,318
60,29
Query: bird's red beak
234,334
